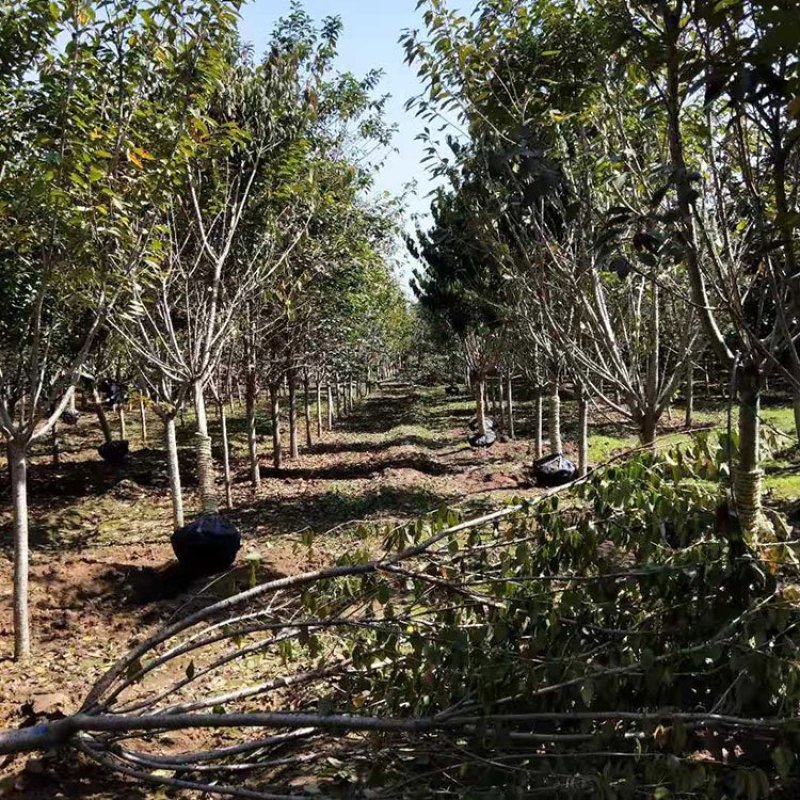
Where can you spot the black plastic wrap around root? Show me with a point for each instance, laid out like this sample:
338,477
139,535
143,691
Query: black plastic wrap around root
114,453
207,545
554,470
483,440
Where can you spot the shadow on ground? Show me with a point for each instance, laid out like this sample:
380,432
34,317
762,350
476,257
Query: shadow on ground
325,511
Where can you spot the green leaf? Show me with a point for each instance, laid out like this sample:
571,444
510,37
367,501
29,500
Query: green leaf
783,758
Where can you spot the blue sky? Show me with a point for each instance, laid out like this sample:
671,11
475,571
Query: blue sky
369,40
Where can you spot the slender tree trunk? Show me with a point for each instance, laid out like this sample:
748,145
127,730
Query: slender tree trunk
307,408
173,466
291,380
17,455
510,400
796,407
71,405
479,388
108,437
538,441
277,447
501,390
554,418
226,458
319,409
123,428
338,397
251,393
689,417
748,476
653,370
648,428
583,432
330,407
143,420
55,445
205,460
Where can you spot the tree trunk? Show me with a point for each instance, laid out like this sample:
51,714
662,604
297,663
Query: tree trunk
501,388
143,420
307,408
648,428
226,458
101,416
277,448
330,407
538,442
796,406
554,419
689,418
55,445
123,428
71,404
251,392
205,460
650,421
583,432
747,474
319,409
173,465
291,380
479,388
510,407
338,397
17,459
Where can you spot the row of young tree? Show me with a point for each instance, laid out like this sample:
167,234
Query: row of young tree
176,212
619,202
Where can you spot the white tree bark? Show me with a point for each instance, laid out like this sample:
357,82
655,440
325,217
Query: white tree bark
583,432
277,446
554,419
251,392
173,466
226,459
17,459
510,402
205,461
143,420
319,409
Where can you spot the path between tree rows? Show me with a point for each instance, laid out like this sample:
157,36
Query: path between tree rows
102,569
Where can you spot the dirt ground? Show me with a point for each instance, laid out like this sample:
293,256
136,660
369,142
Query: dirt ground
102,568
